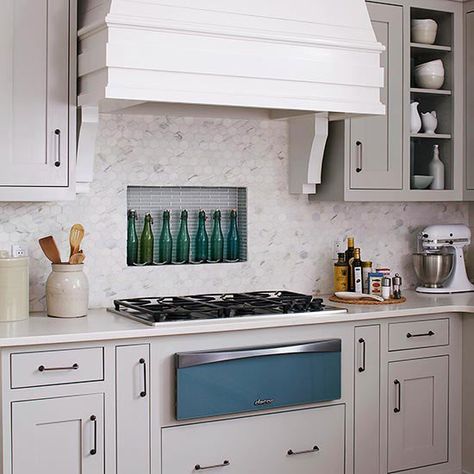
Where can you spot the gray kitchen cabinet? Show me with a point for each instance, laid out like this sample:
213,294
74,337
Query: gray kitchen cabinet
37,99
58,435
367,400
418,413
376,143
366,153
133,408
469,168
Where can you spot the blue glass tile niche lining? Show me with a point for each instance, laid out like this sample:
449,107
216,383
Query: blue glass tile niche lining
156,199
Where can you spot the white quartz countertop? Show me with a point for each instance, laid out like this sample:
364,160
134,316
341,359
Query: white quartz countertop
102,325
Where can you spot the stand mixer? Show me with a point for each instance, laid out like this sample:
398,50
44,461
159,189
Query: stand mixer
439,263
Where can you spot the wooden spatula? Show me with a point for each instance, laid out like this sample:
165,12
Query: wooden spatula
77,258
75,238
50,249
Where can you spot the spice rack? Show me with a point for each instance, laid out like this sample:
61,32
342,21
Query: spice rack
156,199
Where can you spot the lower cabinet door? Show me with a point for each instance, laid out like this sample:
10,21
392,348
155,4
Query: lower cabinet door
418,413
302,441
133,409
367,400
58,436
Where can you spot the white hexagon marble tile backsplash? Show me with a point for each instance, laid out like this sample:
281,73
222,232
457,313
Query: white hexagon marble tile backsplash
290,238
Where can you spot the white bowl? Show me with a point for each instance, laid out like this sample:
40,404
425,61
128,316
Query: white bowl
429,81
431,67
421,182
424,31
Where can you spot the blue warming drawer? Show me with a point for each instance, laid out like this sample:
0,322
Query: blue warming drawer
233,381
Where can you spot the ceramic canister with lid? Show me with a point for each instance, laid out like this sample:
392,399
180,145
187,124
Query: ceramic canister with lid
67,291
14,287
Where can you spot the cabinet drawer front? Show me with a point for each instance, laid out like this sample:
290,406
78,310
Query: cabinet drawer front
418,334
302,441
35,369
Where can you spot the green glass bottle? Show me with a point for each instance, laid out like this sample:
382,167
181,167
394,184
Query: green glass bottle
183,242
132,238
147,241
233,238
166,240
217,239
201,244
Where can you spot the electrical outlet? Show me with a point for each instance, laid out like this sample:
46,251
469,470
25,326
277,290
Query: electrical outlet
337,248
18,251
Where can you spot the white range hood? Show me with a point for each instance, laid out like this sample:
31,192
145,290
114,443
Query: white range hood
291,57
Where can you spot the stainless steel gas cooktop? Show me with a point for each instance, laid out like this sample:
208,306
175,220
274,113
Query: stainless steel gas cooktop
157,310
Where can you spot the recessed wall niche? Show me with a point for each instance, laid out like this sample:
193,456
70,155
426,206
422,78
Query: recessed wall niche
156,199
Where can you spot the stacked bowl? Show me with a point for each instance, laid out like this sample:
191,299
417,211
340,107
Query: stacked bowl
430,75
424,31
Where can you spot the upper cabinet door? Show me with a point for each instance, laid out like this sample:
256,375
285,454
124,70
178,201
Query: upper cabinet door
376,143
469,100
34,93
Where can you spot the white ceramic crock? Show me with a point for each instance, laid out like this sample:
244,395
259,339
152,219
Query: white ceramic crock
67,291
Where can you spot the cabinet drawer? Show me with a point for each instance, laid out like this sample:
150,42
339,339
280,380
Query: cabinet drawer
418,334
302,441
34,369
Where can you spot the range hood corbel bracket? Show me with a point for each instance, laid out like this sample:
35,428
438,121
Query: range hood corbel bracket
307,140
88,127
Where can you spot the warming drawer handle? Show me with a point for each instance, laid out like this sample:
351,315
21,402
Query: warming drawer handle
198,467
315,449
191,359
144,391
42,368
429,333
363,346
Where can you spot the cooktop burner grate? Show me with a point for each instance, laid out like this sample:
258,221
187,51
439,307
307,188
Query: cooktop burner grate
154,310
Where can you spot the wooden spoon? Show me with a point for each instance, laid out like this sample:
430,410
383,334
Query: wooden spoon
50,249
77,258
75,238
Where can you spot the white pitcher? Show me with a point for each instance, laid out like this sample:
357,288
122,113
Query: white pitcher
415,124
430,122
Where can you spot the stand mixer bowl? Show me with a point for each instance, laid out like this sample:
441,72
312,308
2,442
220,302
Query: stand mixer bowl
433,269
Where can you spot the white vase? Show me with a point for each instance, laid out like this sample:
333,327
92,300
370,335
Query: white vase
430,122
436,169
415,124
67,291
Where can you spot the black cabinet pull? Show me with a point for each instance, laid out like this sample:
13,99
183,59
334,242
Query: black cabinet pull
198,467
57,161
359,156
362,366
429,333
398,400
42,368
93,451
144,391
314,449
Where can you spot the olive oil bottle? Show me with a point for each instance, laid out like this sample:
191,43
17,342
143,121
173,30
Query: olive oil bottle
349,257
341,273
356,270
